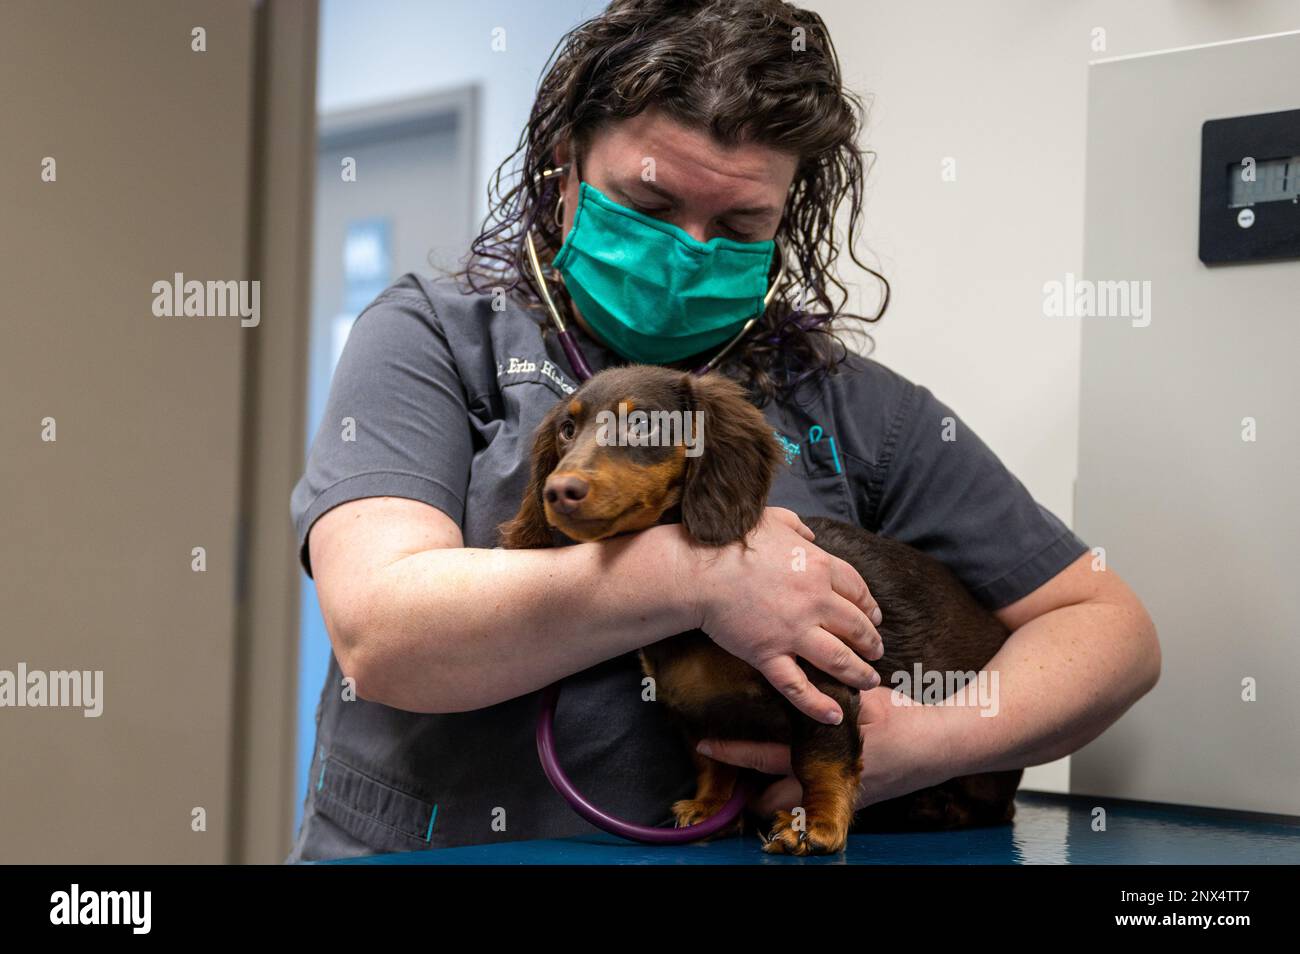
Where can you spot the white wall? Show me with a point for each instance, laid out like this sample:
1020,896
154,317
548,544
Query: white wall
1000,86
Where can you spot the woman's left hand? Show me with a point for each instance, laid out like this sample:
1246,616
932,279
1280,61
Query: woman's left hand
904,748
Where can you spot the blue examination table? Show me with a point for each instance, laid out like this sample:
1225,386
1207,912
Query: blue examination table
1048,829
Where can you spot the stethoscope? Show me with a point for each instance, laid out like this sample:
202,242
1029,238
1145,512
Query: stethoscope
555,774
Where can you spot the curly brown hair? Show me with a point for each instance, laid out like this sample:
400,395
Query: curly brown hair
759,71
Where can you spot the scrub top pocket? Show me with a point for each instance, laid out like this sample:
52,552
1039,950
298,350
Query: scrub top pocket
810,480
372,811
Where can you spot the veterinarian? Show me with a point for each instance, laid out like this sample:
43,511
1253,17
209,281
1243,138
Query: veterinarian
686,123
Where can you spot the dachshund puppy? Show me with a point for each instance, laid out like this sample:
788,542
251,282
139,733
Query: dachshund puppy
641,445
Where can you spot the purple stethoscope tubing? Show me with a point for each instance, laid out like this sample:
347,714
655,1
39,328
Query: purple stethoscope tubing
571,351
603,819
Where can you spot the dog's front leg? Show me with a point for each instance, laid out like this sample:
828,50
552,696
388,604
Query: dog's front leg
715,784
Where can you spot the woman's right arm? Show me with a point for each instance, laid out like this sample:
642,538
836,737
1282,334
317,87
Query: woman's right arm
423,623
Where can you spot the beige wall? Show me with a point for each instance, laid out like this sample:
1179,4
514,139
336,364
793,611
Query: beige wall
148,138
171,432
1000,86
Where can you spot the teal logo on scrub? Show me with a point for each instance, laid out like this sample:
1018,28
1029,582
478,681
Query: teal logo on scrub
788,447
793,449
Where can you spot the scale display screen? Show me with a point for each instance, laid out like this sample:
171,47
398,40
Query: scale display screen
1273,180
1250,188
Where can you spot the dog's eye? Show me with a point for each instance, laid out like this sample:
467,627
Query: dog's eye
567,430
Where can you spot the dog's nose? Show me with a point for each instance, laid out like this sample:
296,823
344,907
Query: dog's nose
565,493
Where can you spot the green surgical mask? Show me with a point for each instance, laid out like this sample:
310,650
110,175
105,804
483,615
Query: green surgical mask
653,293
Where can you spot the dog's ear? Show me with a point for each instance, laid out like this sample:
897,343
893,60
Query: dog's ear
726,486
528,529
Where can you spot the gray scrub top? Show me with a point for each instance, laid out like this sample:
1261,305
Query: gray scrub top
445,393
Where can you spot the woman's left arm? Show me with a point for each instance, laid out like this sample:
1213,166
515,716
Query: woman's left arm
1082,647
1082,650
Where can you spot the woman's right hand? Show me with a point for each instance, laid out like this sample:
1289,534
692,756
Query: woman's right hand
770,603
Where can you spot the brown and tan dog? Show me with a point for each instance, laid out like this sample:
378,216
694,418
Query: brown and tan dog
588,483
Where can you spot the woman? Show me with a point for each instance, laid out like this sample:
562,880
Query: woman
659,126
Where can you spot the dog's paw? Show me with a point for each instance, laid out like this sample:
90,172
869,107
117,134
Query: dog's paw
813,837
693,811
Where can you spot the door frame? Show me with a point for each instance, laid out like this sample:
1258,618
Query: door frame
274,389
456,107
